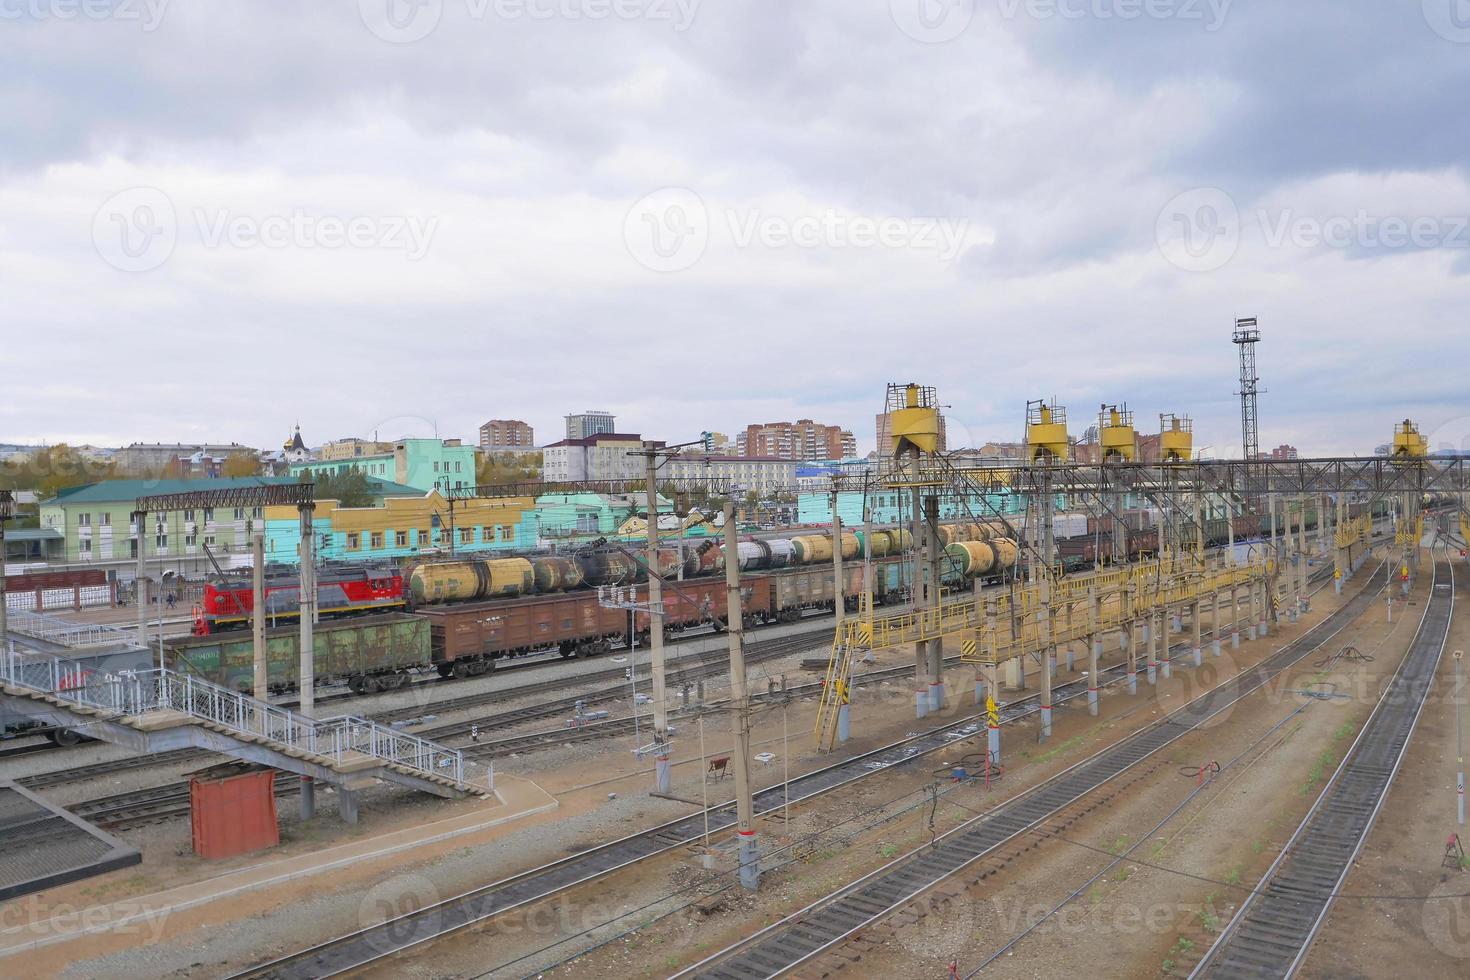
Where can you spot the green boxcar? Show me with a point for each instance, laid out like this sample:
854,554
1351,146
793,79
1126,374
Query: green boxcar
368,653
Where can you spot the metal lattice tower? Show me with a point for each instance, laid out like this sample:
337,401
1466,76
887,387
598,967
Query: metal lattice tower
1246,337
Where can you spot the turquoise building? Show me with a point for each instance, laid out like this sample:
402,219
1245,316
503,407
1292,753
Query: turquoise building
425,464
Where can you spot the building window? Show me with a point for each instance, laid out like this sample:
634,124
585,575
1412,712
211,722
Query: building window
354,541
466,535
377,540
209,540
133,547
436,466
105,519
239,513
84,520
255,512
326,541
209,513
189,540
505,532
84,546
400,539
160,541
456,466
189,515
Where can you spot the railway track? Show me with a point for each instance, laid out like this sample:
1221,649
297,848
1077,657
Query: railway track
781,646
1274,927
423,926
805,934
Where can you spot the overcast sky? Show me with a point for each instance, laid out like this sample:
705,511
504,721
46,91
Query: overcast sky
217,219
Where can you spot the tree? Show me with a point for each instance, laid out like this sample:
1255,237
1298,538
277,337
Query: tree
349,487
499,469
51,469
241,462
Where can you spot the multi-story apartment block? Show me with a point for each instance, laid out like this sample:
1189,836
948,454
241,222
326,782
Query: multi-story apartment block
352,448
590,423
800,440
506,436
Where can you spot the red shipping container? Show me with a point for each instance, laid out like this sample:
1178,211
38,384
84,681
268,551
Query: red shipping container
234,814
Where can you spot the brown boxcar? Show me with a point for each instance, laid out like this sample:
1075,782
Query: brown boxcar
467,636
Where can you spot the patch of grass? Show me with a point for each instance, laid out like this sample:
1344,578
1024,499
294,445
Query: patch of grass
1121,875
887,851
1233,878
1057,750
1208,920
1182,946
1318,770
1259,846
1118,845
1166,967
1343,731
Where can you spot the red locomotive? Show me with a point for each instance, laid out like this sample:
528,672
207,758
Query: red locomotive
343,589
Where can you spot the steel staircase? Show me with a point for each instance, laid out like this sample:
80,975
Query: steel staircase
156,709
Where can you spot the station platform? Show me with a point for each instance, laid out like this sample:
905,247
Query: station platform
42,845
513,798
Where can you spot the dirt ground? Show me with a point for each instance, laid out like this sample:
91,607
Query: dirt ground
1403,913
603,793
852,831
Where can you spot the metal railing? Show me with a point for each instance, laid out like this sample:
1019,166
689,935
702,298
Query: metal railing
54,629
139,693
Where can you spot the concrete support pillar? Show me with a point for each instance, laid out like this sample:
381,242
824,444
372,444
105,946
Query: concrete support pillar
1015,675
1194,610
844,724
1215,624
1094,647
1050,656
347,804
1153,649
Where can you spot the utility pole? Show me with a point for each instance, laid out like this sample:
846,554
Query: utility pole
749,854
140,580
257,618
839,612
306,605
7,512
661,752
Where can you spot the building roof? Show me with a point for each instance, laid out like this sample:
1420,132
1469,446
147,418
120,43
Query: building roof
296,444
33,534
593,440
126,491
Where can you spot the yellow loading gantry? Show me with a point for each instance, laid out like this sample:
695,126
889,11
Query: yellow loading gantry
1410,448
1003,626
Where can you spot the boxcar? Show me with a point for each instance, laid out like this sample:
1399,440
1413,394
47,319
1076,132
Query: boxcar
369,653
466,637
